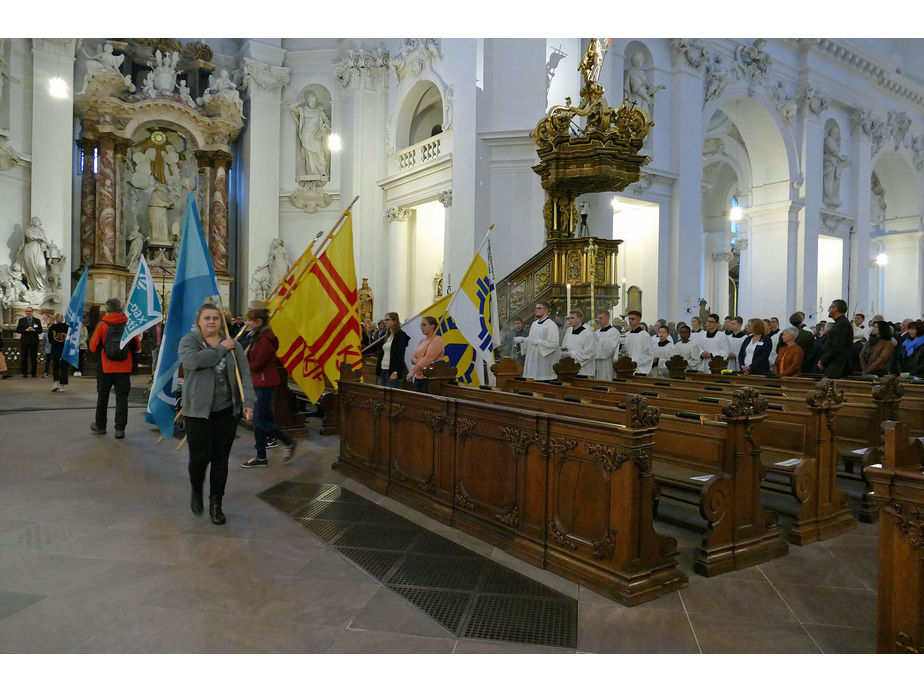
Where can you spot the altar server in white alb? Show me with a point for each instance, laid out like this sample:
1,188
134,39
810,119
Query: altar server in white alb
578,343
663,350
606,344
638,345
715,343
687,348
541,344
736,336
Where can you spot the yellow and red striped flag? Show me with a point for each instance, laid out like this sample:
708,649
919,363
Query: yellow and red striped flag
317,315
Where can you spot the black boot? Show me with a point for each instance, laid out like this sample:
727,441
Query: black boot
218,517
195,502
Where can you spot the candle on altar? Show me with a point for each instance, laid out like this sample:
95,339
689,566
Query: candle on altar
568,298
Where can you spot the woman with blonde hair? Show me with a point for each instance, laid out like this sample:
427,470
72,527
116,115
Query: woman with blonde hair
390,367
754,354
213,402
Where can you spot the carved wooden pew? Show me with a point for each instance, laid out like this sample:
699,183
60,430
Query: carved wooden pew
714,465
898,492
573,496
799,455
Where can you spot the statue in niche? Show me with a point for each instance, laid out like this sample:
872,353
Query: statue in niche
878,207
32,256
834,163
105,61
636,85
716,77
313,128
278,261
366,302
157,217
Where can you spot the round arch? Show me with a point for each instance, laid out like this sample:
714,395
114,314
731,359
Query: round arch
897,177
421,109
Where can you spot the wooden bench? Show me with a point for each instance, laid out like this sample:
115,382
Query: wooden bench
714,465
799,456
573,496
898,492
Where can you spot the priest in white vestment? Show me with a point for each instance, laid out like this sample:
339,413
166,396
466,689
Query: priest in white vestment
715,343
542,350
638,345
606,344
578,343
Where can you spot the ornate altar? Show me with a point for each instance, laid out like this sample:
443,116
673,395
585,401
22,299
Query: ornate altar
156,121
602,156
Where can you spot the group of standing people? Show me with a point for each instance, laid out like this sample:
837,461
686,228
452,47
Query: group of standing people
390,348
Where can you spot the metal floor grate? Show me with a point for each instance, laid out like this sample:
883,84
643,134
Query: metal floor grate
465,592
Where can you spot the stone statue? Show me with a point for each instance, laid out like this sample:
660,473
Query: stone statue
105,61
917,152
753,63
694,50
157,217
878,207
135,248
260,283
636,87
366,300
32,256
185,96
313,128
785,103
221,87
834,163
716,77
147,87
163,71
278,261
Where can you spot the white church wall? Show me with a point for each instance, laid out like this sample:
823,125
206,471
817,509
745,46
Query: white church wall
426,255
830,271
901,277
637,225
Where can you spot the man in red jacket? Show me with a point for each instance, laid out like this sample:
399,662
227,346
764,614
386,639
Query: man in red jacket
115,367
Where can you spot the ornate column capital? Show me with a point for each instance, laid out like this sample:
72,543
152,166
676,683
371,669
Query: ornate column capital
445,198
268,78
363,69
397,214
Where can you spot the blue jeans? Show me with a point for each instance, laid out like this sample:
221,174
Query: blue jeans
385,380
263,422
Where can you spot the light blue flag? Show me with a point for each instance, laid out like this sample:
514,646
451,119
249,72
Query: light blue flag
143,308
193,284
74,320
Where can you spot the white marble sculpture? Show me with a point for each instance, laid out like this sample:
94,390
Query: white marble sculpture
163,71
103,62
636,87
414,55
784,102
278,261
185,96
833,165
260,282
221,87
693,50
753,63
135,249
157,217
716,77
878,205
32,256
313,126
917,152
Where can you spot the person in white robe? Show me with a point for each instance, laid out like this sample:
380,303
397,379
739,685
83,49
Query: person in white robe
578,343
735,340
606,344
637,344
663,350
715,343
541,344
687,348
697,333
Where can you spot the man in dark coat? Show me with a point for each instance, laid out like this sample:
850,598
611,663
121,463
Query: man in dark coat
835,357
30,328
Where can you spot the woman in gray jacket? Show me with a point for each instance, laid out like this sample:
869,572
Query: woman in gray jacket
212,404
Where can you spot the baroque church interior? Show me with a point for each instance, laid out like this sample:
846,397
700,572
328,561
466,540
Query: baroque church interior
778,175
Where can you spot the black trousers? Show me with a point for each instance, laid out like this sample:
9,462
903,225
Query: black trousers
60,367
28,352
122,384
210,442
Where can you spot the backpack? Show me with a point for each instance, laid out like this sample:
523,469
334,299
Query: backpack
111,343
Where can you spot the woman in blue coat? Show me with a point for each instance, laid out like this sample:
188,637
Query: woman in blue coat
754,355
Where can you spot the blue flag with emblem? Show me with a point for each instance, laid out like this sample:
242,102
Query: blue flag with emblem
143,307
193,284
74,320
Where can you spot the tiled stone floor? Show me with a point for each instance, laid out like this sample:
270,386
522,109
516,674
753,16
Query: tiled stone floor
99,553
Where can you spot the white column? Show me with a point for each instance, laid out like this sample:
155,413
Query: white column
53,144
259,207
770,263
686,142
806,278
860,298
398,256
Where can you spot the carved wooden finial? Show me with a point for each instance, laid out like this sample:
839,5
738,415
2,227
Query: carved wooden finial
639,414
888,389
746,402
624,367
348,375
676,366
566,369
506,366
826,395
717,364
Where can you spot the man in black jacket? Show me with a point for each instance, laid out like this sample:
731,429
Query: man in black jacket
30,328
835,357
